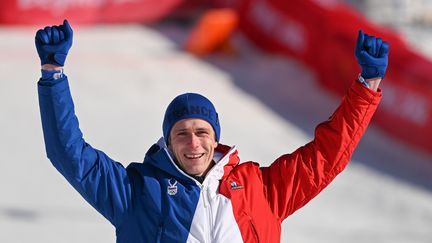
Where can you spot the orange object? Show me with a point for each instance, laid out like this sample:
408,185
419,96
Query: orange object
212,31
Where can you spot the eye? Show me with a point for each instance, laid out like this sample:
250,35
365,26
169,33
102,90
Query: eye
202,133
182,133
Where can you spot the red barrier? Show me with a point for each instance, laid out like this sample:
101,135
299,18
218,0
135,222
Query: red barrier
280,27
406,110
322,35
44,12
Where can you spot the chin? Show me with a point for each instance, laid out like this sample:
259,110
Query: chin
194,172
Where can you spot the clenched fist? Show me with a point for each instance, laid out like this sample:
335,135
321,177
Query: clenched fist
53,43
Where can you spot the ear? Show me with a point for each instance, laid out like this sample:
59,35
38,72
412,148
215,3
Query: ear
168,143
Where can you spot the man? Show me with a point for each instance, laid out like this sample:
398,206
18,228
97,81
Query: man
190,187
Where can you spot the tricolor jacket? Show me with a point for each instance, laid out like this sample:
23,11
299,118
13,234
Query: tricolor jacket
155,201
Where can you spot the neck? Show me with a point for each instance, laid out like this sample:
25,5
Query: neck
201,177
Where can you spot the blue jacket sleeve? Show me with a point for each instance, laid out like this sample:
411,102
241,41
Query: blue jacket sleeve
102,182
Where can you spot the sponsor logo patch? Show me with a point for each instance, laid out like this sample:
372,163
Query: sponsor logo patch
235,186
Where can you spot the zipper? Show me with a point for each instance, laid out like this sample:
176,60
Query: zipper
203,189
208,212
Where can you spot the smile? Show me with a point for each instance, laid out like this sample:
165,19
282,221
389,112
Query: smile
193,156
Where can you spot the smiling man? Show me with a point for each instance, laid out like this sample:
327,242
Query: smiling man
191,130
192,142
190,187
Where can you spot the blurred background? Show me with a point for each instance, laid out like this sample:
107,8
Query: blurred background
273,68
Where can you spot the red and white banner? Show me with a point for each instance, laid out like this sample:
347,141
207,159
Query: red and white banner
46,12
322,34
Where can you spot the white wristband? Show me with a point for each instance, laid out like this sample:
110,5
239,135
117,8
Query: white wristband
363,81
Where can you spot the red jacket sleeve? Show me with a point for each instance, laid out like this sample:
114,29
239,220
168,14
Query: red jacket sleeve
294,179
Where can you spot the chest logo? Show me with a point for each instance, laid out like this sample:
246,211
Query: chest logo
235,186
172,187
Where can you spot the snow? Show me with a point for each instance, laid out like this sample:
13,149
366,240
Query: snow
123,77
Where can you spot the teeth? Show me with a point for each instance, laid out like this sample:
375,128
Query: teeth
193,156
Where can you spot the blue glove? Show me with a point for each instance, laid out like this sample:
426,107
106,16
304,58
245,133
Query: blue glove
53,43
372,55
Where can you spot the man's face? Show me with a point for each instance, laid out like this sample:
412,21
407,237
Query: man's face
193,142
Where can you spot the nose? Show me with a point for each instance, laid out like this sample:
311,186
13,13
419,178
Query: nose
194,141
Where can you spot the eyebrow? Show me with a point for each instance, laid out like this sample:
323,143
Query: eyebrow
200,129
187,129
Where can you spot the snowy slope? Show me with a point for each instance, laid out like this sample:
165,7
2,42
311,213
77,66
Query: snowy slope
122,78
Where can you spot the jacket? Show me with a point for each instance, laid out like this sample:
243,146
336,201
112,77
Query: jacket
155,201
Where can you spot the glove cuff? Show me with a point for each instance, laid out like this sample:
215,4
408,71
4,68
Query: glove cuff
369,71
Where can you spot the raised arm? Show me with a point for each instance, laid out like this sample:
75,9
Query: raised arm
100,180
294,179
